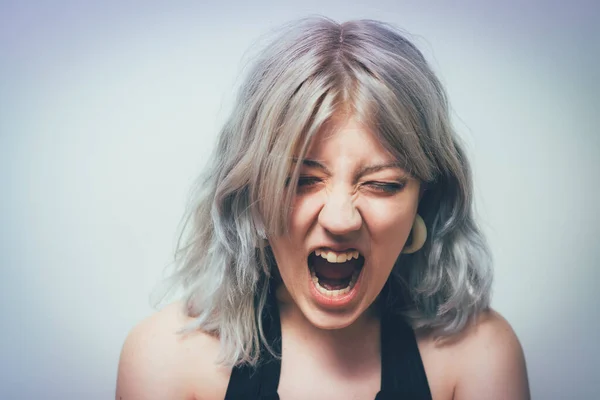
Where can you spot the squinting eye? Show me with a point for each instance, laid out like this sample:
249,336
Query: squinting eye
385,187
305,181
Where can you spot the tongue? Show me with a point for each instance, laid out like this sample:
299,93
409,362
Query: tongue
333,271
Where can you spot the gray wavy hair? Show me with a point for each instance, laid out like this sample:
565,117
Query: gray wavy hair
312,69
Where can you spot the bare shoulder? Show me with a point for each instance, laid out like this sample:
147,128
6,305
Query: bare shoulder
486,360
493,363
158,363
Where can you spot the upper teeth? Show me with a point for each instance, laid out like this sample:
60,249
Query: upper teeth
335,257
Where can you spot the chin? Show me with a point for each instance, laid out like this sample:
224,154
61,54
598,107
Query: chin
327,321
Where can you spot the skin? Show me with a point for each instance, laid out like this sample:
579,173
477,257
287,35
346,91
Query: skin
350,196
340,203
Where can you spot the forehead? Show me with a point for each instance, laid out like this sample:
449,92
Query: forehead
347,137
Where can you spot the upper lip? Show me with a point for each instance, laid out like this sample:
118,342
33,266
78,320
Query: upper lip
337,248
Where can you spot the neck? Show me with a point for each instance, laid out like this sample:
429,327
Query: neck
350,349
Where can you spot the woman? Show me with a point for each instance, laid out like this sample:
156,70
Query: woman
332,251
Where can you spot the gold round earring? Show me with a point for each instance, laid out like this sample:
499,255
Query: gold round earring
419,235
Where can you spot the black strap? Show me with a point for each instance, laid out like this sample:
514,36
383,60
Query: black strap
402,372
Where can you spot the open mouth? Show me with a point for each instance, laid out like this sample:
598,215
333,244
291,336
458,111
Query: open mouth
335,273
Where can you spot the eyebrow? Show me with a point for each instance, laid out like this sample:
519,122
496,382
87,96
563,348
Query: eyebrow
371,169
364,170
314,164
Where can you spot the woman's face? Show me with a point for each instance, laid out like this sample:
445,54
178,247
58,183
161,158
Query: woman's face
351,216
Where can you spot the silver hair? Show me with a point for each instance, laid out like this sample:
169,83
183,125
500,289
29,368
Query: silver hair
312,69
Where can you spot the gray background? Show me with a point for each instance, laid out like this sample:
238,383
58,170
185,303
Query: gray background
107,113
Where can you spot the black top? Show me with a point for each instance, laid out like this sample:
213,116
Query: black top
402,372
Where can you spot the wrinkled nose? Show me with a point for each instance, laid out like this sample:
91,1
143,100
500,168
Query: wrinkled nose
339,215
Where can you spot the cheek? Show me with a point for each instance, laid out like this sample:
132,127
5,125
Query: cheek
288,257
289,249
389,216
400,221
389,225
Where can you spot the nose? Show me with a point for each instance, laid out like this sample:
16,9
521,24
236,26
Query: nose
339,216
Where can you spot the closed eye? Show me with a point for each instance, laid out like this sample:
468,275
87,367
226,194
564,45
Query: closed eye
385,187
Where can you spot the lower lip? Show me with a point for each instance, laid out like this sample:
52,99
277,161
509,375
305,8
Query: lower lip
337,301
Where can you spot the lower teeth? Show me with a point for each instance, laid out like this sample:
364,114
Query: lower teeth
334,292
